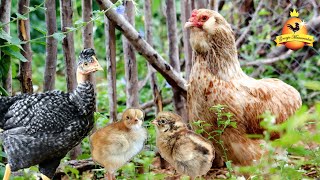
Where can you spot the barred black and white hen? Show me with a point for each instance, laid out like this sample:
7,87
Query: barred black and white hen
42,128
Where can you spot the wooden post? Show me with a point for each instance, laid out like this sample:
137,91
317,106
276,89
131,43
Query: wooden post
178,100
69,55
87,31
185,15
25,73
131,72
51,48
111,67
5,9
153,79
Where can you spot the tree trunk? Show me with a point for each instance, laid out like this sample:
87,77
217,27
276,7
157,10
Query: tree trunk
87,31
185,15
69,55
200,4
131,72
51,48
5,9
178,100
153,79
111,67
193,4
214,4
25,73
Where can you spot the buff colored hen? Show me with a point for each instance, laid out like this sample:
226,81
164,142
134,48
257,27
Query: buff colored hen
217,78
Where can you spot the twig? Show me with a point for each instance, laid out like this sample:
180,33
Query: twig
268,60
80,165
150,104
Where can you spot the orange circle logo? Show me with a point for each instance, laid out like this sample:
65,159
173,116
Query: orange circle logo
294,33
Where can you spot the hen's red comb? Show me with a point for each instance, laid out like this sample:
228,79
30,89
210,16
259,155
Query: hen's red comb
194,13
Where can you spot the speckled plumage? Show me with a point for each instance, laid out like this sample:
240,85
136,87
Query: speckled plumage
42,128
217,78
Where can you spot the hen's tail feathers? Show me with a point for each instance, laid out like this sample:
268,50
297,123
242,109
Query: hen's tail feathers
6,103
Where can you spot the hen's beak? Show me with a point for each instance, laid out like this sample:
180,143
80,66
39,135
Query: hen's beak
188,25
95,65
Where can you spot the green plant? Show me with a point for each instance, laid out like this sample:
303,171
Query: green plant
224,120
293,155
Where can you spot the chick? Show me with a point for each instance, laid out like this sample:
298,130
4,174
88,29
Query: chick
187,152
115,144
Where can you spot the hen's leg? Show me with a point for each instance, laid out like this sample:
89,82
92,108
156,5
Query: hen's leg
48,168
7,173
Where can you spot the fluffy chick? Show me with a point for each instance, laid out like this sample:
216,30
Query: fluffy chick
115,144
189,153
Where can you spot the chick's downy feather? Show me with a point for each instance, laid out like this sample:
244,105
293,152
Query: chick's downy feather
187,152
217,78
115,144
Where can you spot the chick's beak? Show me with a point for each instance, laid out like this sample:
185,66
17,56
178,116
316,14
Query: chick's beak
154,122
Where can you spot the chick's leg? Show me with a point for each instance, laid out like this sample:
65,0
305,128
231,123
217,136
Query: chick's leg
7,173
44,177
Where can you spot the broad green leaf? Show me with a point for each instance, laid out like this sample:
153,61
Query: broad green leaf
41,30
288,139
31,9
20,16
299,151
14,53
59,36
79,22
313,85
71,28
4,35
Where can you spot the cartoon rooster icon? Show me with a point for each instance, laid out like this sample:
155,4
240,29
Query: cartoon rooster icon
294,29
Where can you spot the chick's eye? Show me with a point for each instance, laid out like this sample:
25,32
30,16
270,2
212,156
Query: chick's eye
162,121
204,18
127,117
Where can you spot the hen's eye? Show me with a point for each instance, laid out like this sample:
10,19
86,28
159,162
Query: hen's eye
204,18
86,64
